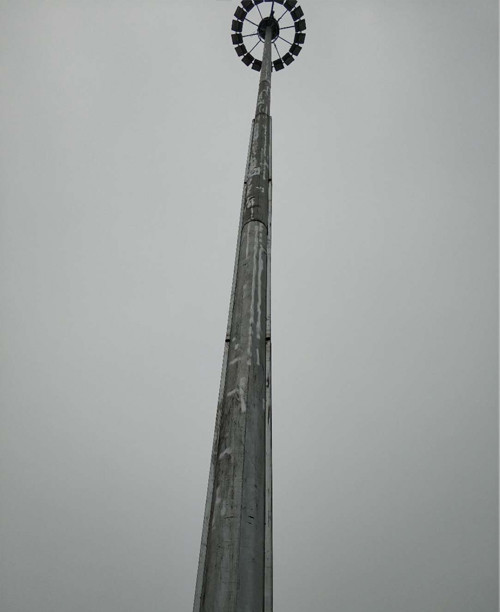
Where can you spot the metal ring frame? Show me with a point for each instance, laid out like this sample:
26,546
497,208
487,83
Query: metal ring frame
250,12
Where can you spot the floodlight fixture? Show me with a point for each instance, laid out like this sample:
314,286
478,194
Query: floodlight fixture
251,20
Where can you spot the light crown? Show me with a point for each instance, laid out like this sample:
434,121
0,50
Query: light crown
251,20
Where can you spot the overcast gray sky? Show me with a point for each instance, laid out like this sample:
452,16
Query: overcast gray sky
124,132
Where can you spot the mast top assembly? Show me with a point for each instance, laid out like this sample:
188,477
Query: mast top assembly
250,23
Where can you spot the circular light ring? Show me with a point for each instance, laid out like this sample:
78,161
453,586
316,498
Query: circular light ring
297,27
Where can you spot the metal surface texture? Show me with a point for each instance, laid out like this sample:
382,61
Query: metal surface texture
235,566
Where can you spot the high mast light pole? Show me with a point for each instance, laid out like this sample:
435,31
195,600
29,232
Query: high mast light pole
235,571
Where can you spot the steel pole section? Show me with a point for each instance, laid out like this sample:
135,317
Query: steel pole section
235,565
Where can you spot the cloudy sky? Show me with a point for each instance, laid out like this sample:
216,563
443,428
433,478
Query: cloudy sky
124,133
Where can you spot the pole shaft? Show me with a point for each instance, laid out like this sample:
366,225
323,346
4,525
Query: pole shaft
235,568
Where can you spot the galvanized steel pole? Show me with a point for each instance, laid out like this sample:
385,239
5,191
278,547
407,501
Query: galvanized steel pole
236,557
235,566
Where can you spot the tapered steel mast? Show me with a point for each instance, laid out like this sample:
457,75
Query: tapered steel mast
235,565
